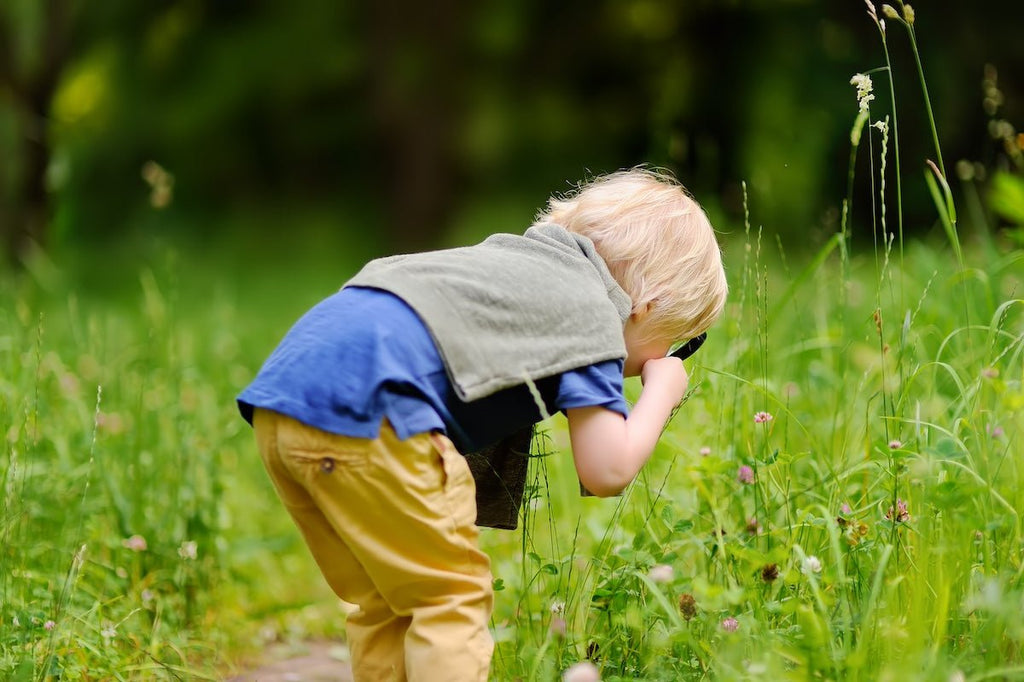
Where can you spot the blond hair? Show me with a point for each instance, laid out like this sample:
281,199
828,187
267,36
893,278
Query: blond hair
658,244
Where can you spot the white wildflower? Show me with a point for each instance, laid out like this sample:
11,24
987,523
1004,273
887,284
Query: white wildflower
188,550
865,87
812,564
863,83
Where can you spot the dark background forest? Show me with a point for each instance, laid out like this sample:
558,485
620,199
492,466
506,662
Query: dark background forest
404,125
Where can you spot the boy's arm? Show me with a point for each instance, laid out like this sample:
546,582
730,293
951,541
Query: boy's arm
609,449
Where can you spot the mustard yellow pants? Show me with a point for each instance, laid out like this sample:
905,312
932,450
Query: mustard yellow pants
391,525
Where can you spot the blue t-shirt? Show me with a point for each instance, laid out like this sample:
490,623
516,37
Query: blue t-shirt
363,355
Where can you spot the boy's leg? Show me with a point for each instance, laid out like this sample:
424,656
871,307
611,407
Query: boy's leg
376,635
433,568
406,510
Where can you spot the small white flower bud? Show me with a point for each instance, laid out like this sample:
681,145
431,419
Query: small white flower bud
584,671
662,573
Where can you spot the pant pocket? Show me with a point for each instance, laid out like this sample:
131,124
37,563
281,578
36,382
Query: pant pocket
459,487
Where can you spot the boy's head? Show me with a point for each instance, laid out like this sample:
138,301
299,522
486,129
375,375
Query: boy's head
658,244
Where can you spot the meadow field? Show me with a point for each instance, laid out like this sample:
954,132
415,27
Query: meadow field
839,497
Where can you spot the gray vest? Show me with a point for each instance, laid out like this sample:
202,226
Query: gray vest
509,310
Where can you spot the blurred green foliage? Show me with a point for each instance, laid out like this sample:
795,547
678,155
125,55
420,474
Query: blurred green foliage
1007,199
406,121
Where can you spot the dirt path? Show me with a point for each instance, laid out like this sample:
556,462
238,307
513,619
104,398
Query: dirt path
308,662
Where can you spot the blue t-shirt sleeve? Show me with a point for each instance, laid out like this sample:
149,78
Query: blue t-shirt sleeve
597,385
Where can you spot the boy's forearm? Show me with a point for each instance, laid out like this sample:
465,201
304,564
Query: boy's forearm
647,420
610,450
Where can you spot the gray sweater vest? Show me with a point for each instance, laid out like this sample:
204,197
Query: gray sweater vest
507,311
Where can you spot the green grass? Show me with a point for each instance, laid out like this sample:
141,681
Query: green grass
118,421
876,535
140,539
920,410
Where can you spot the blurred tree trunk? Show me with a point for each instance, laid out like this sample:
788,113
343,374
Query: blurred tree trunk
30,83
416,71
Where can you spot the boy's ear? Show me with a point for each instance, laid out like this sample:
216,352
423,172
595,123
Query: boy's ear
641,310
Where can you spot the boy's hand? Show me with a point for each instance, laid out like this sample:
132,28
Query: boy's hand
667,377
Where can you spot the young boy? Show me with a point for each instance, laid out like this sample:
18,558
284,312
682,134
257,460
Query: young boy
362,411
